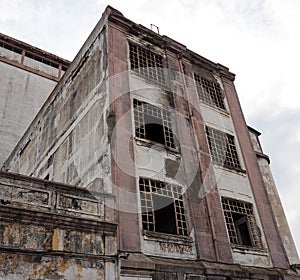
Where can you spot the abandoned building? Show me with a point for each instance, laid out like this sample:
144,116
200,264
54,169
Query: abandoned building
139,165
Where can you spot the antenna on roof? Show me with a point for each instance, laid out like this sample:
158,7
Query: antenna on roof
153,25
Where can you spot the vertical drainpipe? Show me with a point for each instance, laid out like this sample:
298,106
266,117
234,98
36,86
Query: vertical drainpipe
179,57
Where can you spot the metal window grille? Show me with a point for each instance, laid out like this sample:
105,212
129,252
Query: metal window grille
160,115
231,207
209,92
222,148
148,188
146,63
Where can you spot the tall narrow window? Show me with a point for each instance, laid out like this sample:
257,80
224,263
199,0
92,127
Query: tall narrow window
162,207
209,92
222,148
240,222
146,63
153,123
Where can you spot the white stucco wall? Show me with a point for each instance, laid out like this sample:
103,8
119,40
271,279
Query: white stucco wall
21,95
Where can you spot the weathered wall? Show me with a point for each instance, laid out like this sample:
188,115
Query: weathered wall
264,209
276,205
235,184
21,96
27,77
122,163
68,140
172,269
54,231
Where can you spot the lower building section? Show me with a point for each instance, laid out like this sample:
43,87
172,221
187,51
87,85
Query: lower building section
54,231
141,267
23,266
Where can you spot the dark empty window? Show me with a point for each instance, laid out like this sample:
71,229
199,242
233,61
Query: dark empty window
10,47
153,123
240,222
222,148
162,207
41,59
146,63
209,92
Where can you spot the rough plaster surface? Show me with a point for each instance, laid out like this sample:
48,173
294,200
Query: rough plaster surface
21,96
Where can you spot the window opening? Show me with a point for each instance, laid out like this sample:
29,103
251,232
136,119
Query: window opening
209,92
153,123
146,63
162,207
240,223
41,59
222,148
164,214
242,228
10,48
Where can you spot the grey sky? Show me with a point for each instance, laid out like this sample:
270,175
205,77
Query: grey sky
258,40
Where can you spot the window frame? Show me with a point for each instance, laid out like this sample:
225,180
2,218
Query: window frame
245,209
149,187
226,155
147,63
210,92
142,108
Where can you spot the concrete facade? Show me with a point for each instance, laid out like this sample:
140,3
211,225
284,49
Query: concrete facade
139,117
27,77
55,231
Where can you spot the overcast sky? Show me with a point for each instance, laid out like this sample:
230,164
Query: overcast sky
258,40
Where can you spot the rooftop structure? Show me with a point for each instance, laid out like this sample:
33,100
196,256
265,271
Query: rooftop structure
27,77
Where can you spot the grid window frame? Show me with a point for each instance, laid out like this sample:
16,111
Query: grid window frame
223,148
148,188
209,92
233,206
141,109
146,63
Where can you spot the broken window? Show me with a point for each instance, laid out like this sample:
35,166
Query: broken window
162,207
240,222
222,148
153,123
209,92
146,63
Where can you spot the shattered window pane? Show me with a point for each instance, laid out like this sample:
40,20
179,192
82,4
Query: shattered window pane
240,222
153,123
162,207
